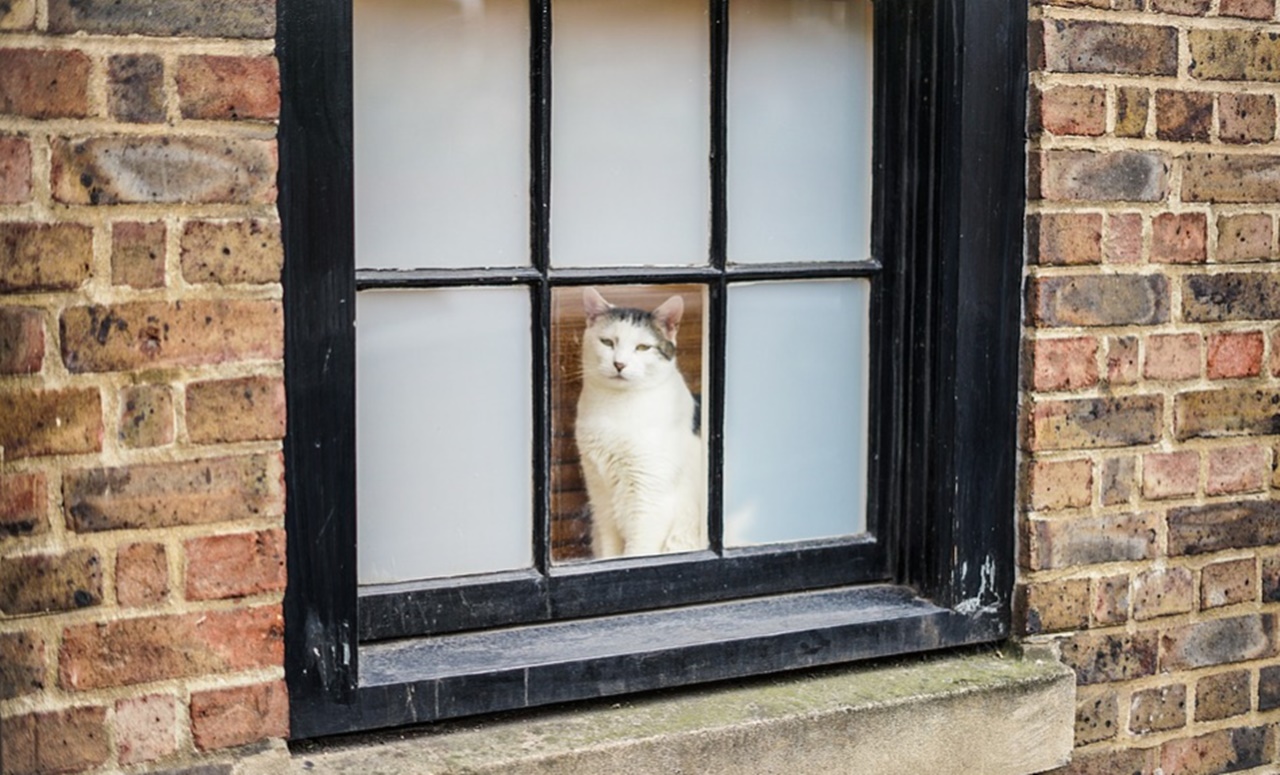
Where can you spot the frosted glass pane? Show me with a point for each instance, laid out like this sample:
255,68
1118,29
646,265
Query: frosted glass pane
441,133
795,438
800,86
629,133
443,433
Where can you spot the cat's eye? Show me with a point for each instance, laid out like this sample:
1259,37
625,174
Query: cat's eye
606,342
642,347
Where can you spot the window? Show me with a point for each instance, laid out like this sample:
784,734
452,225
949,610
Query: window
471,588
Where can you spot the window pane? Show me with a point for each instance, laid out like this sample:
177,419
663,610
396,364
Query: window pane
443,432
796,391
629,134
441,133
800,86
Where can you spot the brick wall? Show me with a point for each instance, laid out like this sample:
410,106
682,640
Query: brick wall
141,401
1150,551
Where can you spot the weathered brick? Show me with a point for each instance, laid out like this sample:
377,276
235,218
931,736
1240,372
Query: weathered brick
137,254
44,257
169,169
1172,356
21,340
1218,642
235,565
1179,238
1091,423
1230,178
1228,583
1064,364
141,334
1170,474
1269,688
1110,600
1226,750
1054,606
1100,300
1158,709
1101,658
135,88
38,583
24,505
1247,9
142,574
168,494
228,252
156,648
1090,176
1118,478
1163,592
146,416
22,668
1236,470
174,18
39,83
1234,55
246,409
50,422
1064,484
1226,412
1230,296
1133,104
1246,118
1097,714
1073,110
1181,7
1183,116
1235,354
1122,360
1271,579
18,15
228,87
1126,761
1065,543
1204,529
1100,47
71,740
1065,238
146,727
15,170
1222,695
1245,237
239,715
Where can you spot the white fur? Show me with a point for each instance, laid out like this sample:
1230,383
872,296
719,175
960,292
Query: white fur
643,465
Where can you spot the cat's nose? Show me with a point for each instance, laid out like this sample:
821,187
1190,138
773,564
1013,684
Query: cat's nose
619,366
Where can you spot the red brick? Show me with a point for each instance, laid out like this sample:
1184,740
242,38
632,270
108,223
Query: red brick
64,741
37,583
164,169
1129,761
37,83
1230,177
1065,364
235,565
1246,118
142,574
1163,593
1092,423
1118,480
1122,360
1172,356
1098,47
1073,110
1237,469
50,422
1170,474
1133,105
1245,237
1123,241
156,648
1222,695
232,252
146,727
137,254
169,494
228,87
1235,354
240,715
22,666
146,416
1218,642
44,257
1228,583
1275,353
1067,543
149,334
1179,238
1183,116
1158,709
1248,9
15,170
1089,176
1054,606
1110,600
1061,484
1065,238
1226,750
21,340
24,504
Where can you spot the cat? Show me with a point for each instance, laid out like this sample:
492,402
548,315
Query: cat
638,433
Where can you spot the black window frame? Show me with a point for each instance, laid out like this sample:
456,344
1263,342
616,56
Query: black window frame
937,566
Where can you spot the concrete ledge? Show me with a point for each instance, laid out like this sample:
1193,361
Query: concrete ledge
992,714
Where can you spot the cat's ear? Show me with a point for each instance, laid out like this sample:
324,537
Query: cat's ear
594,304
668,315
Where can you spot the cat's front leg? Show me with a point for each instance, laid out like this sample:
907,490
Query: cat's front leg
606,541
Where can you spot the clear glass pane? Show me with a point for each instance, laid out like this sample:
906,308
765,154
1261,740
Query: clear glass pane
800,87
796,391
441,133
629,133
628,457
443,432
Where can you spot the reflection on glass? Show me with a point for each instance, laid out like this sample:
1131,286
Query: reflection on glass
629,133
628,467
796,391
441,133
800,87
443,432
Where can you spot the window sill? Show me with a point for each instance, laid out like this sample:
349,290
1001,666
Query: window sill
1002,715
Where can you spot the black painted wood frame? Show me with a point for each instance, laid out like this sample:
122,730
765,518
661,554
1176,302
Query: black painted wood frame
936,569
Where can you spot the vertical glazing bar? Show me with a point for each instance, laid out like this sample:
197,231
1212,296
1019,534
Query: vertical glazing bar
540,292
713,403
719,132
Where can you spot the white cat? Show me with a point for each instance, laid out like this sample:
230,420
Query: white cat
637,433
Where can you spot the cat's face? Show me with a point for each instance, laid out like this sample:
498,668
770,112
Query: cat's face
624,347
